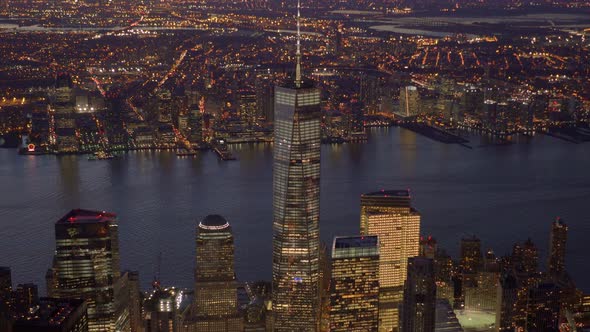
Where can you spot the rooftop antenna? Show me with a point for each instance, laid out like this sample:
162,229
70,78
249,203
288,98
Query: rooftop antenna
298,52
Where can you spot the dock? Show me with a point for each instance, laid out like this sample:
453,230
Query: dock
223,154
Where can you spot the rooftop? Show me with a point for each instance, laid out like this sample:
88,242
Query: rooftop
51,312
86,216
342,242
389,193
214,222
289,83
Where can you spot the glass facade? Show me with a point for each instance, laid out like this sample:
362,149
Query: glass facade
216,298
296,207
354,299
86,265
389,215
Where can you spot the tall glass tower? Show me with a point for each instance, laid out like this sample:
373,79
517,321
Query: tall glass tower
86,265
296,204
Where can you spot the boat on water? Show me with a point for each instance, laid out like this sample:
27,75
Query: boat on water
101,155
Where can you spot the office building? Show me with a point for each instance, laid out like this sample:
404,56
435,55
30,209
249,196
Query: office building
428,247
506,303
86,266
5,282
557,246
55,315
409,101
296,204
135,321
24,298
543,308
471,257
389,215
354,300
216,299
248,107
161,310
419,306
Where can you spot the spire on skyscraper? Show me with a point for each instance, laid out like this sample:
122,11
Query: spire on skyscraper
298,52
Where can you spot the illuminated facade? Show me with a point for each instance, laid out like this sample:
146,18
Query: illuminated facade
86,265
354,300
389,215
216,298
296,207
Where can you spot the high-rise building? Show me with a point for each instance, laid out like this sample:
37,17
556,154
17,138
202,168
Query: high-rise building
471,257
248,107
354,300
86,266
525,258
216,299
161,310
296,204
409,101
5,282
557,242
390,215
24,297
419,306
134,301
195,126
506,303
55,315
543,308
428,247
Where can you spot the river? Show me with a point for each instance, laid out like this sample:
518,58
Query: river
502,194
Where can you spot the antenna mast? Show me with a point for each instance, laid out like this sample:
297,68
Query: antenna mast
298,53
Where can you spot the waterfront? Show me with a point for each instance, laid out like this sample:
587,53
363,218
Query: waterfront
503,194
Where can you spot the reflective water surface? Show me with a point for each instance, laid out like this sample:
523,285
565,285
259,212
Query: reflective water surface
503,194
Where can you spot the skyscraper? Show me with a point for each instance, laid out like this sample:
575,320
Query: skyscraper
161,310
471,257
409,101
296,203
389,215
5,282
355,284
543,308
134,301
419,308
216,298
557,242
86,265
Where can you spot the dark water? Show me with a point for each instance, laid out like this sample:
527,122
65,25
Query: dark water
503,194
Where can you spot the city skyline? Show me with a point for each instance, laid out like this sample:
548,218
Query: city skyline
286,118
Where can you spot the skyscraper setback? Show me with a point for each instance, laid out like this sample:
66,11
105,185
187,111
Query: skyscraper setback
296,203
389,215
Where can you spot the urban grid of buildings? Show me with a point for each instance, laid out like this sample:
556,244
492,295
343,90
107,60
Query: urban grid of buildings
388,277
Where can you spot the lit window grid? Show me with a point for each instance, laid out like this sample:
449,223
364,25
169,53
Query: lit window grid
296,209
